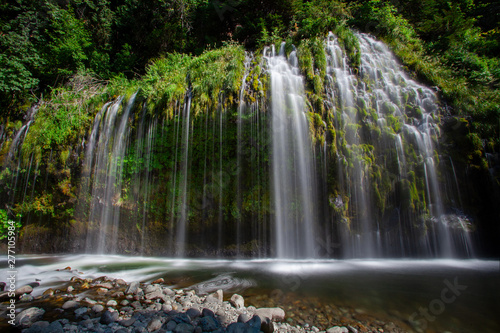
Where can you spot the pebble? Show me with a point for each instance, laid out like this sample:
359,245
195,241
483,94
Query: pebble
69,305
108,317
238,301
112,302
154,325
81,311
160,309
97,308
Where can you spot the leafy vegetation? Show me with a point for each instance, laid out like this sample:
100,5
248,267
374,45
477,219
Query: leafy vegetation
71,57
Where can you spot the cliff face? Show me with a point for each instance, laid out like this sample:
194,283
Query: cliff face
324,150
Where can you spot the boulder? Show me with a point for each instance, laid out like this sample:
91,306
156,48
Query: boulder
98,308
275,314
108,317
154,325
193,313
184,328
133,288
337,329
70,305
238,301
29,316
209,324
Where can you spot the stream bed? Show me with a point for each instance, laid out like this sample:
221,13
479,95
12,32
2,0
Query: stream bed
418,295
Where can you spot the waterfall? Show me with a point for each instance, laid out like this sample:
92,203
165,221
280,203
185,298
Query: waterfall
385,117
292,165
107,155
261,171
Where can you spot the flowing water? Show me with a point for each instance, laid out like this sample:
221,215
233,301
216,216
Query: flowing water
457,295
253,181
292,165
386,116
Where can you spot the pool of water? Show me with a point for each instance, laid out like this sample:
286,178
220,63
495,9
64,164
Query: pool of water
424,295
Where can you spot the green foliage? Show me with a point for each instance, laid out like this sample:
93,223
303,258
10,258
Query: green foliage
215,71
69,42
7,224
65,116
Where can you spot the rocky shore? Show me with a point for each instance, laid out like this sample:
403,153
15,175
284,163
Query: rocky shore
113,305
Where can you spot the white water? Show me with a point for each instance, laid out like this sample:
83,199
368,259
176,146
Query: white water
404,115
292,165
105,158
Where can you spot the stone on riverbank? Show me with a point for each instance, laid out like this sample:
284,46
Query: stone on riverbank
29,316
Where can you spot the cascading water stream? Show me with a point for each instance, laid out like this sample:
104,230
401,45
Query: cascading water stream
292,165
181,223
381,99
242,181
107,155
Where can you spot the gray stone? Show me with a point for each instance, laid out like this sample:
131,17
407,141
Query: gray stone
90,301
38,327
152,288
27,289
54,327
133,288
238,301
120,282
97,308
184,328
87,323
181,318
171,325
157,294
337,329
255,322
209,324
136,305
275,314
108,317
193,313
106,285
70,305
237,328
154,324
243,318
112,302
29,316
207,312
81,311
127,322
166,308
168,291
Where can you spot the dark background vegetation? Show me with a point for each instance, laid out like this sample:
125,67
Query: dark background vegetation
453,46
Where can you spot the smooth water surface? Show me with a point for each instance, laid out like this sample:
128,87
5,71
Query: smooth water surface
444,295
